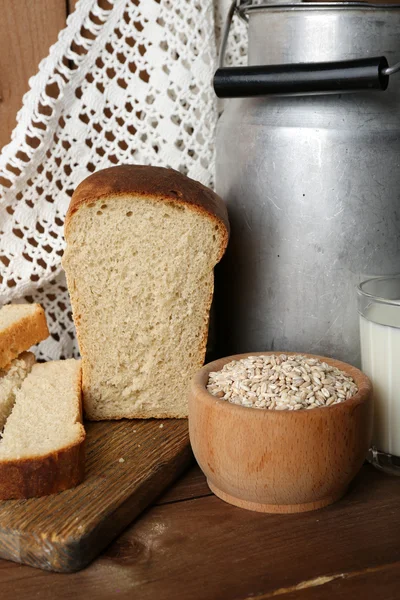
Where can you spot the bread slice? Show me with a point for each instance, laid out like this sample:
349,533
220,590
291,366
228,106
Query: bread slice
21,326
11,379
41,450
142,243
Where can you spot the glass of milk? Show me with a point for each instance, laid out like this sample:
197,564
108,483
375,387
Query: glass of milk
379,311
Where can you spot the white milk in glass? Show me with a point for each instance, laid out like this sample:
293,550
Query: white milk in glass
380,359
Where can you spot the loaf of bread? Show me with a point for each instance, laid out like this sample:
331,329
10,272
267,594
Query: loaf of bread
41,449
21,326
142,243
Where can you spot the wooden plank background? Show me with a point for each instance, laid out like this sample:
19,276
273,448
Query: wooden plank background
27,30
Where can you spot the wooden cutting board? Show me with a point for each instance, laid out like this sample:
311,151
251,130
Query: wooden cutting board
128,464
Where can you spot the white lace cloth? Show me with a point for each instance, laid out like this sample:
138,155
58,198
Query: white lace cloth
128,81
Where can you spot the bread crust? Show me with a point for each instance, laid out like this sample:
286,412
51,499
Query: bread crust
43,475
21,335
156,183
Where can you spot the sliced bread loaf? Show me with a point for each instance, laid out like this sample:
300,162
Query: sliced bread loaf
41,450
21,326
11,379
142,243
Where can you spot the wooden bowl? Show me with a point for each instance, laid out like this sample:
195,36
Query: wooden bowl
279,461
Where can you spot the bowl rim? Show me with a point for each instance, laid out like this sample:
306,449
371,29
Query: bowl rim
198,386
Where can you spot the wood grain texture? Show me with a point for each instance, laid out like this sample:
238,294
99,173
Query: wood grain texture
203,549
192,485
375,583
279,461
27,30
65,531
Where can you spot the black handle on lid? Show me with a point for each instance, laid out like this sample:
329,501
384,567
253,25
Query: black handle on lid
302,78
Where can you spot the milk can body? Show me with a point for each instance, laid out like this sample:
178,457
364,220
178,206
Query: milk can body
312,185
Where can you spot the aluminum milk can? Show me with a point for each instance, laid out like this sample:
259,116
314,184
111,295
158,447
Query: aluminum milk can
308,161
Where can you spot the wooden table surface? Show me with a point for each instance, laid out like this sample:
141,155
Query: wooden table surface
191,545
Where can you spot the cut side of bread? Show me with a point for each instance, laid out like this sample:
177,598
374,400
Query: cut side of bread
21,326
142,243
42,450
11,380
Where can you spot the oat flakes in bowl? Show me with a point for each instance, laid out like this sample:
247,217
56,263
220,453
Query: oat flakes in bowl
281,382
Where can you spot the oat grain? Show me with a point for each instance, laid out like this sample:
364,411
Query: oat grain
281,383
